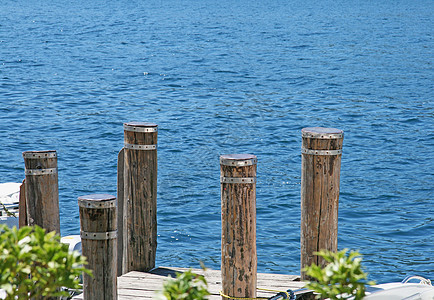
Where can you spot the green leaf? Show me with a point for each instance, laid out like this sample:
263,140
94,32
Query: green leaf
186,286
32,251
342,277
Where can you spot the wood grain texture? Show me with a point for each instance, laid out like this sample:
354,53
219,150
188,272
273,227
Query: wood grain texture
320,178
101,254
42,192
238,204
140,193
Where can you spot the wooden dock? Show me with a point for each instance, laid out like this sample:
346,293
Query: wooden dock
141,285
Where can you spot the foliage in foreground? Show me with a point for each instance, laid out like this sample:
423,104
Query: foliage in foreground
186,286
341,278
36,263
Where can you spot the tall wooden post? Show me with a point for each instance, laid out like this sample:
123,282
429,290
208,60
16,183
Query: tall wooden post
320,175
98,233
140,196
121,215
42,189
238,200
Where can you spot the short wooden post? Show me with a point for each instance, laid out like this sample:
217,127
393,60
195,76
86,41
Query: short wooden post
238,200
98,233
140,196
320,175
42,189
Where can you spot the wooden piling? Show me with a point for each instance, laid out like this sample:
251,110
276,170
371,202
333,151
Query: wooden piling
98,233
140,196
22,209
42,189
121,216
320,176
238,201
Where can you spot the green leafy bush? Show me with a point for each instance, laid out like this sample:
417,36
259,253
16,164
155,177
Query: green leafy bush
341,278
36,263
186,286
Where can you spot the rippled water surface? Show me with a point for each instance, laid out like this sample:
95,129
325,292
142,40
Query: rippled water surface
224,77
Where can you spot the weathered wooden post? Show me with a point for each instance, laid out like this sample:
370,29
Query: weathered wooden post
320,175
140,197
22,206
121,215
98,233
238,200
42,189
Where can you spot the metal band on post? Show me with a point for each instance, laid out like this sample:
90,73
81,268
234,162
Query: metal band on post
40,171
140,127
237,180
39,154
237,162
140,147
99,235
321,152
90,203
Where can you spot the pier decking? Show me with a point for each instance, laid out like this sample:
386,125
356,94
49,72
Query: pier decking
141,285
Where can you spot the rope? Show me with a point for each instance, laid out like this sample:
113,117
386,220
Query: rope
289,295
238,298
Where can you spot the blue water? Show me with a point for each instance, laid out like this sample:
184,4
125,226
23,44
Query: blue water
223,77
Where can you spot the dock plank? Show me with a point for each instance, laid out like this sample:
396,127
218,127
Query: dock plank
144,285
